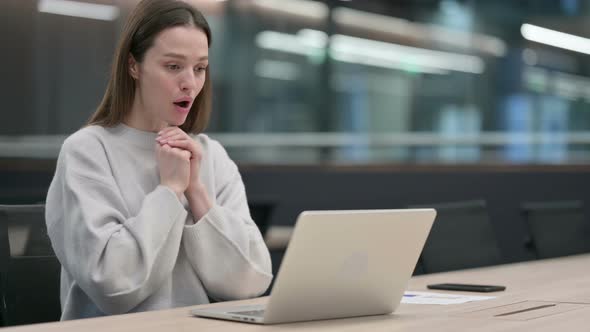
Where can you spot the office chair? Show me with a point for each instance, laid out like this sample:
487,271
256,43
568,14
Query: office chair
261,213
556,228
29,269
461,237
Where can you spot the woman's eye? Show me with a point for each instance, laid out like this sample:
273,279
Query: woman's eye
200,69
173,67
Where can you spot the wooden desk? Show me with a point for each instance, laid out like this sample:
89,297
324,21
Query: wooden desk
564,280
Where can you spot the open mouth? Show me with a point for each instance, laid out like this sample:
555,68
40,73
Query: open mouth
183,104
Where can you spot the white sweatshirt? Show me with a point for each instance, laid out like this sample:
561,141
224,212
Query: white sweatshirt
128,244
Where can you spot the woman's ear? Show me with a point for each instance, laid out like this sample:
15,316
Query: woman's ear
133,67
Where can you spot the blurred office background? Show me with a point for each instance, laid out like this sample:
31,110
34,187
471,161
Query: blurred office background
331,82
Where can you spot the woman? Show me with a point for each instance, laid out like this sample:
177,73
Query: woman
144,212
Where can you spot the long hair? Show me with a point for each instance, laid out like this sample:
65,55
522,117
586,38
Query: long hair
149,18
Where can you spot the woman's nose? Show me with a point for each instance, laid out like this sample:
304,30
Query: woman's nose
188,82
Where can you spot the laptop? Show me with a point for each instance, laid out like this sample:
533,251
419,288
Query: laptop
340,264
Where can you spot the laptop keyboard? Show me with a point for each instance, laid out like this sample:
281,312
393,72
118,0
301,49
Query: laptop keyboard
256,313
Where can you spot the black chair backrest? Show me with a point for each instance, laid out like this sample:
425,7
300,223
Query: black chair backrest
261,213
557,228
29,269
461,237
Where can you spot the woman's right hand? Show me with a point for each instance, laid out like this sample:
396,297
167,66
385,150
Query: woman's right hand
174,166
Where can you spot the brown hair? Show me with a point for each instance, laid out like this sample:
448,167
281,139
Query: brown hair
149,18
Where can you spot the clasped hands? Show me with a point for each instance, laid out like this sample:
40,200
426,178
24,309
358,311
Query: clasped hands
179,161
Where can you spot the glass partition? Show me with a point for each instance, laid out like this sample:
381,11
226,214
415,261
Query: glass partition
330,82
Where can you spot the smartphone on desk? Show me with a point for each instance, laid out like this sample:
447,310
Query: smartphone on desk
467,287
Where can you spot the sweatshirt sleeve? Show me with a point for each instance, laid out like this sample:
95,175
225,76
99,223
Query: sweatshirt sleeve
117,260
225,246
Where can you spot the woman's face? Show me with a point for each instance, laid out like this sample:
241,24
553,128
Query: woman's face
169,78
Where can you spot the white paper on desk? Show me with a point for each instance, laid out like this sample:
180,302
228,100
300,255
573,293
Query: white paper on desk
440,298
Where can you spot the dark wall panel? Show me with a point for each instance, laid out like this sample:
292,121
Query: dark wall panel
294,189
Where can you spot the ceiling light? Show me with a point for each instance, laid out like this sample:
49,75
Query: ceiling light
78,9
555,38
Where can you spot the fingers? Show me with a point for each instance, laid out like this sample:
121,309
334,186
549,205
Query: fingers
160,148
170,132
169,150
187,145
175,137
163,138
183,144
